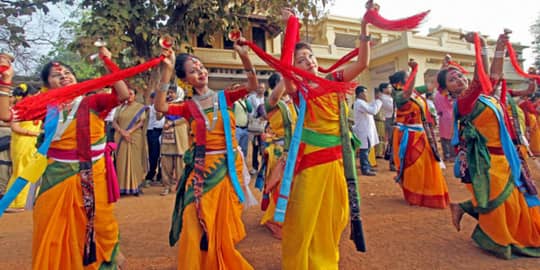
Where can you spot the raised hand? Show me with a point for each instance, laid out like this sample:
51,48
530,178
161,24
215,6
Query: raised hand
286,13
240,47
412,63
6,69
169,60
105,52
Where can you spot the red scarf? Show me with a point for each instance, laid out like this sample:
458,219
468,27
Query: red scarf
35,107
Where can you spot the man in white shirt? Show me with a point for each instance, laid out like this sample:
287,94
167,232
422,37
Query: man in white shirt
388,111
155,127
364,127
255,100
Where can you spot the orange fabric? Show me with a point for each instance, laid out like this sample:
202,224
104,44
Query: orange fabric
534,132
423,182
513,222
221,211
59,217
276,132
215,139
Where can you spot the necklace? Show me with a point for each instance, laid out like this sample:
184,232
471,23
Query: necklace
204,96
197,98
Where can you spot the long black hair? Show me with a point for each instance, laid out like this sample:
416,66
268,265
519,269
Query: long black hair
441,77
179,65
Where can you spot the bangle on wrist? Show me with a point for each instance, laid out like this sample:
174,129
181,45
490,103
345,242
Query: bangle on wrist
4,83
364,37
164,87
484,50
6,93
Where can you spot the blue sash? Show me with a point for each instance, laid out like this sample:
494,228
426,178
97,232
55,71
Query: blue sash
36,168
228,142
511,154
403,146
284,192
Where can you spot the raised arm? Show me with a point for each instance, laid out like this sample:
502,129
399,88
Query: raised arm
242,51
122,91
496,71
466,101
166,70
352,70
6,75
408,88
15,127
525,92
277,93
469,37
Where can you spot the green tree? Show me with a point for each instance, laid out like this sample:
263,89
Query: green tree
82,66
132,27
535,30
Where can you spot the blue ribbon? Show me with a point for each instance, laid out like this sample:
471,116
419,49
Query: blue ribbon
511,154
403,145
51,122
228,141
284,192
455,136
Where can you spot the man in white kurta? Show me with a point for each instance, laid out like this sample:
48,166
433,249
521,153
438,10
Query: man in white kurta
364,127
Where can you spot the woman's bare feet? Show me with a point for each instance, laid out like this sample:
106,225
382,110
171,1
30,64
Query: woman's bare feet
120,260
457,213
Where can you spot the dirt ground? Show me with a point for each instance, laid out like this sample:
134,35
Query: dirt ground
398,236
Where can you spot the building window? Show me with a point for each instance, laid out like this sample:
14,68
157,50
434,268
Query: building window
259,37
201,43
345,40
227,44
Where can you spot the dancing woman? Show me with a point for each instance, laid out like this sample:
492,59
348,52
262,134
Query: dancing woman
68,233
207,217
318,207
505,207
415,151
281,114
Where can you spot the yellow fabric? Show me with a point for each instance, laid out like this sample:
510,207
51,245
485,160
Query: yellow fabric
423,183
131,158
23,149
215,139
221,211
275,120
372,158
60,219
271,161
318,208
277,131
513,222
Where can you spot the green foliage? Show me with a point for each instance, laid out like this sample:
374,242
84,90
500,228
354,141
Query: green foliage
132,27
82,67
535,31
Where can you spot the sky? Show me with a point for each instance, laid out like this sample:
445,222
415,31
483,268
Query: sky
485,16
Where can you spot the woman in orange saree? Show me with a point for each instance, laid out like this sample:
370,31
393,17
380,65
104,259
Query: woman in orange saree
419,173
504,203
207,220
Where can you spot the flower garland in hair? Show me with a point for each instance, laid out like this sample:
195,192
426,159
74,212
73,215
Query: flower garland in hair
188,89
